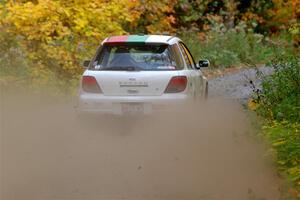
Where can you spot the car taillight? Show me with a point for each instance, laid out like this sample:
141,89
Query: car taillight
176,84
90,85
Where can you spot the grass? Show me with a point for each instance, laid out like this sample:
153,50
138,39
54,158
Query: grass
279,103
285,147
235,47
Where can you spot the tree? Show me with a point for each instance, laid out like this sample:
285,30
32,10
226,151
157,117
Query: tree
57,34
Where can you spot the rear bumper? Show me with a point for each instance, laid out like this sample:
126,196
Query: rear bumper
100,104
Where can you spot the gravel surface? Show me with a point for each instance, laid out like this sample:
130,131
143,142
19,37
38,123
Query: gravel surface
237,85
199,153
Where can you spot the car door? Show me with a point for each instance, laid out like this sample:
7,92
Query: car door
196,75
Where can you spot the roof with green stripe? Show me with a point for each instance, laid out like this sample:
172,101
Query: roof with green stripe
138,39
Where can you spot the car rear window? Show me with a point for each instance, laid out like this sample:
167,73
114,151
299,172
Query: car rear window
152,57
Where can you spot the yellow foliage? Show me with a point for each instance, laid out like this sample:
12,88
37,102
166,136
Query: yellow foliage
57,35
158,16
252,104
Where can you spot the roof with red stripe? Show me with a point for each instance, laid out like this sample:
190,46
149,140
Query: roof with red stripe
138,39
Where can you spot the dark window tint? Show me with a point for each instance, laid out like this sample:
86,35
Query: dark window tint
187,56
177,55
136,57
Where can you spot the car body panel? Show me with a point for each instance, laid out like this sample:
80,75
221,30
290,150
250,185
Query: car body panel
140,91
132,83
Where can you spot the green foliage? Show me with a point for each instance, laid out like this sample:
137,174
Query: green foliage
285,140
279,103
238,46
280,96
46,41
196,10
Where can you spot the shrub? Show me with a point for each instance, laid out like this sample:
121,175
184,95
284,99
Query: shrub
279,103
280,96
237,46
13,66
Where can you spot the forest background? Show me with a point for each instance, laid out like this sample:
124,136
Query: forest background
43,44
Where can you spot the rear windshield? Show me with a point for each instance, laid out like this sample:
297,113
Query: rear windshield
152,57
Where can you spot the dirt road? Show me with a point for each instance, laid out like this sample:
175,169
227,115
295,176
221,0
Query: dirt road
236,85
203,153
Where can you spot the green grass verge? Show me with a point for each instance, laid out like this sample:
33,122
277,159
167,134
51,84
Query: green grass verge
285,146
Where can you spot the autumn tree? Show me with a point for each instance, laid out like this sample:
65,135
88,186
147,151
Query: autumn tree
157,17
57,35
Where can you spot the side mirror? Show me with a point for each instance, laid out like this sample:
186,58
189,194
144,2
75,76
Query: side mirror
86,63
204,63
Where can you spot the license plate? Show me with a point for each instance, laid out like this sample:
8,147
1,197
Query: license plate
132,108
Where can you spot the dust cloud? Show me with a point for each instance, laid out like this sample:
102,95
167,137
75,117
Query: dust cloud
203,152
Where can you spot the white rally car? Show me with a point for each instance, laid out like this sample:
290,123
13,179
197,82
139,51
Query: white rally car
139,74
